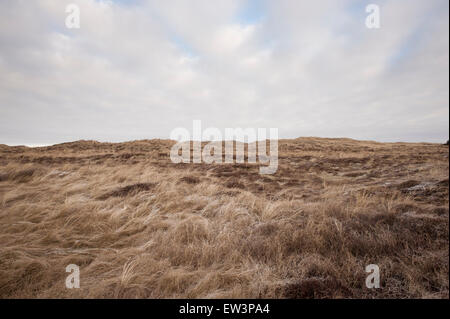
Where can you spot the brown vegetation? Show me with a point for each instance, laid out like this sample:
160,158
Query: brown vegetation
141,226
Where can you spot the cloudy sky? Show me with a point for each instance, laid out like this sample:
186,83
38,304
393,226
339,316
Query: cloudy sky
139,69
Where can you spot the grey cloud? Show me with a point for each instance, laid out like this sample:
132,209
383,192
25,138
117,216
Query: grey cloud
139,71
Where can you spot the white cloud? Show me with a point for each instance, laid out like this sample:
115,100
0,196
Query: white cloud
140,70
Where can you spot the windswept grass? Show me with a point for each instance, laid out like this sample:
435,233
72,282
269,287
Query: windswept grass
138,225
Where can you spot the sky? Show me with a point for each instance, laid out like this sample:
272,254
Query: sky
139,69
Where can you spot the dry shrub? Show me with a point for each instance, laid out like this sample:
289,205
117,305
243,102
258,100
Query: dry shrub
190,179
24,175
316,288
4,177
128,190
224,231
234,183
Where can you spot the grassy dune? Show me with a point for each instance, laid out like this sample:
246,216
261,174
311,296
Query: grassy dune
140,226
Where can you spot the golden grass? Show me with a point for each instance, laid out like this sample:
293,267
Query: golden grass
140,226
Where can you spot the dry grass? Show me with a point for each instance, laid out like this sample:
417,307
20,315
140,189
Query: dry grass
140,226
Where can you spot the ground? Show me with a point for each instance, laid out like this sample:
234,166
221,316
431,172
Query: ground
138,225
